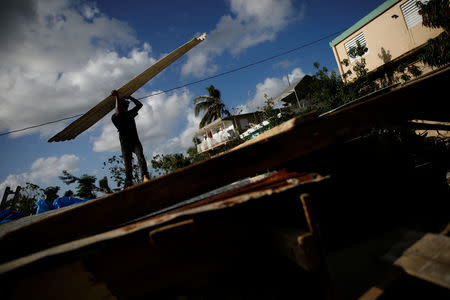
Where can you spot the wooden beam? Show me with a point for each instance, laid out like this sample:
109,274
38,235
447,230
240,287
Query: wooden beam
106,105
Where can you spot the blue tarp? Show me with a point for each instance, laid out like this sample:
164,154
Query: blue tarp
43,205
8,215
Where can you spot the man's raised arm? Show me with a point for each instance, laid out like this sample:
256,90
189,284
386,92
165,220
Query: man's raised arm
115,94
136,102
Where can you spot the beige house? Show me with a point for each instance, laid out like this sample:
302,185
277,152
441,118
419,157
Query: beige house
391,31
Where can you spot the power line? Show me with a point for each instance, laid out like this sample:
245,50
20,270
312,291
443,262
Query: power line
39,125
193,82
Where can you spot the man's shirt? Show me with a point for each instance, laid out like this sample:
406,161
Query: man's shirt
126,125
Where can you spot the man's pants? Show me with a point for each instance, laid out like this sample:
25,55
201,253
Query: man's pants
127,152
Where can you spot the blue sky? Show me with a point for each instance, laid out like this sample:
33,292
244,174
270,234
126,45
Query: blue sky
60,58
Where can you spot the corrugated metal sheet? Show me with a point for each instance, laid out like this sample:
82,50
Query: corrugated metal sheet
106,105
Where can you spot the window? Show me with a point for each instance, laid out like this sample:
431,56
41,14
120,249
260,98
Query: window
411,13
352,43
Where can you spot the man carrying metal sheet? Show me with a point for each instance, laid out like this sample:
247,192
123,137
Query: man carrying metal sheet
123,119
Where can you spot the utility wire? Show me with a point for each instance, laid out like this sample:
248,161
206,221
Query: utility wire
243,67
39,125
193,82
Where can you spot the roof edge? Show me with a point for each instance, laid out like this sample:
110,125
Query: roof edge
372,15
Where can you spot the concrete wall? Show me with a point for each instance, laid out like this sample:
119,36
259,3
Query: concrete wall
389,33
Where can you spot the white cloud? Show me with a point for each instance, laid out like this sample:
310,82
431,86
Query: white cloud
284,64
42,171
180,143
271,87
45,169
90,12
60,60
251,23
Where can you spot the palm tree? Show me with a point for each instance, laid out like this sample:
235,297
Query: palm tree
213,105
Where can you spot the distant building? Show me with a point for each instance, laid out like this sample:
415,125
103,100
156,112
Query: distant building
391,31
214,136
295,94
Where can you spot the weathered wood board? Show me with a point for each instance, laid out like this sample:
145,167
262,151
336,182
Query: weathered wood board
106,105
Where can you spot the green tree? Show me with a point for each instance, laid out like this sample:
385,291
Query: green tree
26,201
69,193
436,14
193,154
85,185
212,104
327,90
273,115
103,185
116,169
51,193
360,64
30,193
166,163
363,84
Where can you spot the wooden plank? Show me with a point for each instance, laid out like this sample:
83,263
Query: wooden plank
428,259
106,105
298,139
244,195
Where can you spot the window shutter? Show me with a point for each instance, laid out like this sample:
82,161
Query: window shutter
352,43
411,12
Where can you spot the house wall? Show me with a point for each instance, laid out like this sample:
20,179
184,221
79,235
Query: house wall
249,120
386,32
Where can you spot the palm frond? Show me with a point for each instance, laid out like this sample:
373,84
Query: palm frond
207,118
200,99
213,92
202,103
225,112
212,104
